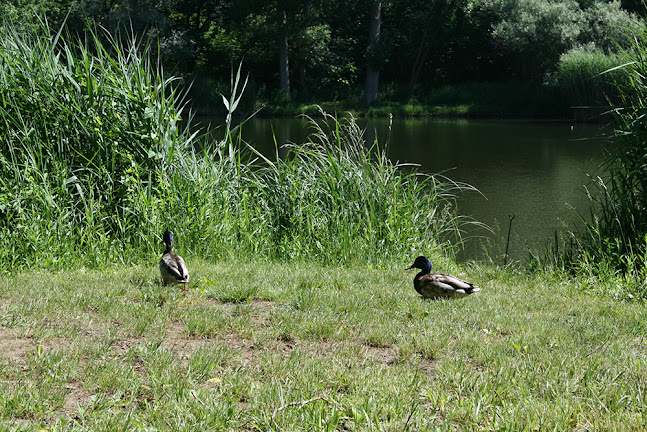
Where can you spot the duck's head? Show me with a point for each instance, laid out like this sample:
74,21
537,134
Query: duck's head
421,263
168,238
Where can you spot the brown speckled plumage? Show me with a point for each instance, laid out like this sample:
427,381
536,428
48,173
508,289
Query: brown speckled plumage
172,266
438,285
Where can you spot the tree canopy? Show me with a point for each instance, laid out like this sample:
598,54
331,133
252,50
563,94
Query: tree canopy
324,48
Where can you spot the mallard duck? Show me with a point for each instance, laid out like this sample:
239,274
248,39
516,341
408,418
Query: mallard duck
438,285
172,266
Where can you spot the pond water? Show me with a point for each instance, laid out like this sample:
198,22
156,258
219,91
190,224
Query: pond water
534,170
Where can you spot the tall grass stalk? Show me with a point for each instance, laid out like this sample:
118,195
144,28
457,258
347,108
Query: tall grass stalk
97,161
613,240
331,199
616,235
86,130
334,196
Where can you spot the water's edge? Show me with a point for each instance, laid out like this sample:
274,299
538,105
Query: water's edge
532,170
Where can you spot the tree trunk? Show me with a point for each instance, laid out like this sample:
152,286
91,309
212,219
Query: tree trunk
303,67
284,67
372,67
423,51
303,82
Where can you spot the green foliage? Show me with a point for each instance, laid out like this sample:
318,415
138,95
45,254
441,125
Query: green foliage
314,54
533,34
423,44
28,13
343,198
607,26
86,131
589,77
536,33
612,243
96,163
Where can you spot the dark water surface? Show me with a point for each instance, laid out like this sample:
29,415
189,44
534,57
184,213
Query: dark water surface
534,170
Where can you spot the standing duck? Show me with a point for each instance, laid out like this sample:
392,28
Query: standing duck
438,285
172,266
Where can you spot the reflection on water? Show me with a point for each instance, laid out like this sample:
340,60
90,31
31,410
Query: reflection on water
532,170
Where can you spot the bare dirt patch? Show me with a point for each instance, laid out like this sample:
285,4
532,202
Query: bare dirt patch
383,354
257,310
77,396
13,346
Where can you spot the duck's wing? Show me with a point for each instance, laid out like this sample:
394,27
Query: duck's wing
437,285
173,268
455,282
182,268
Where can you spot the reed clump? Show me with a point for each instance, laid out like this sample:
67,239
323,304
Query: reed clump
611,244
86,131
97,161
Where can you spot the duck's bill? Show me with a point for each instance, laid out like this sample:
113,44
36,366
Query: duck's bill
409,268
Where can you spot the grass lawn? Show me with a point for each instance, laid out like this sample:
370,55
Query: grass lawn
267,346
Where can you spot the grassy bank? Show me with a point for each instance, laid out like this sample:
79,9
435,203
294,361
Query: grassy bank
266,346
487,99
109,170
577,91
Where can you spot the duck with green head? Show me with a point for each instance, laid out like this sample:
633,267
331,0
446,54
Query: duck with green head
172,266
438,285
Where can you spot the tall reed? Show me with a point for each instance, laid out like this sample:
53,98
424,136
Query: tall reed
334,196
97,162
86,129
613,241
332,199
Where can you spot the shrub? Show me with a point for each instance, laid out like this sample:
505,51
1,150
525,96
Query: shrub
589,77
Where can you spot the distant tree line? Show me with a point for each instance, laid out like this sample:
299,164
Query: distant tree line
328,49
